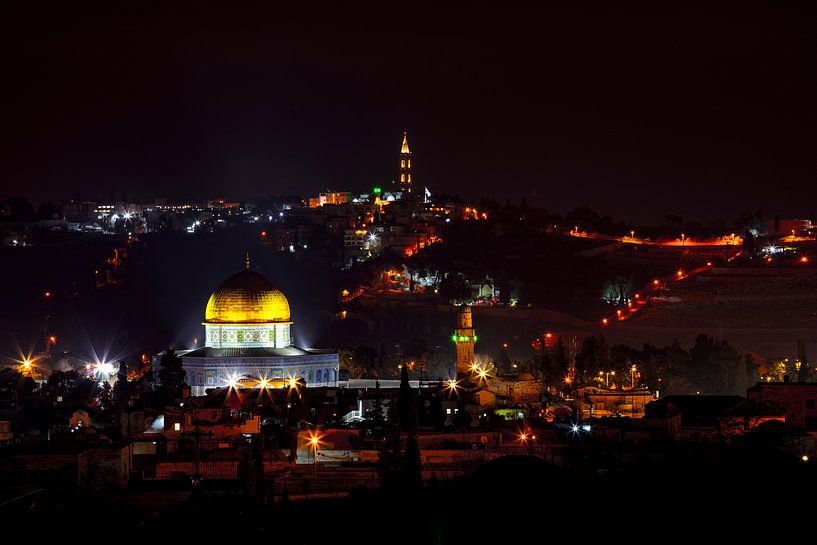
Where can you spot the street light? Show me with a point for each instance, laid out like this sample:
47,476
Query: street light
314,443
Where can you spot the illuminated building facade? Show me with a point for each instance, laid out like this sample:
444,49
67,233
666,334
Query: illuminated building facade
464,337
248,337
333,197
405,168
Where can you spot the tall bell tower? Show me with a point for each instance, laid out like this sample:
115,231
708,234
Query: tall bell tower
405,168
464,337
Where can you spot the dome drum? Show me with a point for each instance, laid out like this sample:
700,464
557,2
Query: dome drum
247,311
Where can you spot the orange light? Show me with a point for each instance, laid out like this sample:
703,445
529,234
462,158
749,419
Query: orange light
636,296
604,321
47,294
52,340
655,282
548,335
804,259
618,312
263,233
680,273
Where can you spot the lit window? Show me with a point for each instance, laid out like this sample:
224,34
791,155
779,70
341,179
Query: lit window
402,177
402,163
409,163
177,426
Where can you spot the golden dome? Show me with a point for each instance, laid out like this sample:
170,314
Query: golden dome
247,297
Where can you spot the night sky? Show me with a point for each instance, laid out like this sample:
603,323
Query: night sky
636,112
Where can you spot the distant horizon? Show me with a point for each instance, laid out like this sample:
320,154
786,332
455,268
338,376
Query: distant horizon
654,221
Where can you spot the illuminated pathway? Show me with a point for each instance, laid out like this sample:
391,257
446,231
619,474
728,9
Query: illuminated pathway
642,296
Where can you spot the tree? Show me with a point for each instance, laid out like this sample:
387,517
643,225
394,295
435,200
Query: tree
673,221
376,412
503,361
365,361
559,359
121,388
171,374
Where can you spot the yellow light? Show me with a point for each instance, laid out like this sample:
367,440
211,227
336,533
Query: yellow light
263,382
292,382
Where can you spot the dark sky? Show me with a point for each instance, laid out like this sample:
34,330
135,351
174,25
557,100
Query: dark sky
636,112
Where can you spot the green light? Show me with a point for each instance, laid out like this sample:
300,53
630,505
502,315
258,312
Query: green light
476,338
454,338
377,190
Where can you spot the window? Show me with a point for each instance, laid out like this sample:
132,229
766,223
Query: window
177,426
810,404
402,177
409,163
402,163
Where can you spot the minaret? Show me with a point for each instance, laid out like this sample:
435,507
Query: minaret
464,338
405,168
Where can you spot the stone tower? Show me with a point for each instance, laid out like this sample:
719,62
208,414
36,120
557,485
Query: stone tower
405,169
464,338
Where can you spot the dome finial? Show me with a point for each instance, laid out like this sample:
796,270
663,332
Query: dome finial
247,262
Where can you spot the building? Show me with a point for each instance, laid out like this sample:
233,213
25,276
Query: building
331,197
405,168
248,340
464,338
597,402
797,399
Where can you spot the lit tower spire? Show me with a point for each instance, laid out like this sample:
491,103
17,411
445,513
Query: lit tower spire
405,168
247,261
